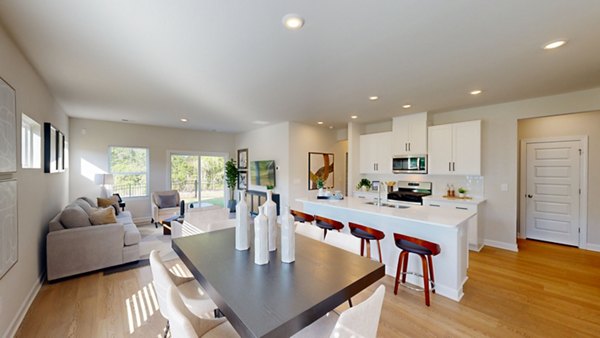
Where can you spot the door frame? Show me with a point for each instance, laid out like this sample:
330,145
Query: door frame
583,175
225,155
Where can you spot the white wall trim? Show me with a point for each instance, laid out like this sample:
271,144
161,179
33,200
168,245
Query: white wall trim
20,315
583,199
501,245
593,247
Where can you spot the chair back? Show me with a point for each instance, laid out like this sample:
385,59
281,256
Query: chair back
183,323
309,230
343,241
156,194
299,216
362,320
162,281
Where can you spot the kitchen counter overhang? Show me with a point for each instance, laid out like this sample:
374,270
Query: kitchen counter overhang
448,228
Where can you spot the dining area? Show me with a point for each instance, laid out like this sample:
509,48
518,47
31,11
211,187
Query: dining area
230,295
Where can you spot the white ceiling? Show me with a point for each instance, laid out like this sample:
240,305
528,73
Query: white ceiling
224,64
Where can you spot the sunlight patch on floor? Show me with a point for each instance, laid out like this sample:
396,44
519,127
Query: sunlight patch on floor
141,306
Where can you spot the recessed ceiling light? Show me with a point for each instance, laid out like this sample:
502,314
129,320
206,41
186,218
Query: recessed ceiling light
293,22
330,127
373,98
183,120
354,117
476,92
320,122
406,106
555,44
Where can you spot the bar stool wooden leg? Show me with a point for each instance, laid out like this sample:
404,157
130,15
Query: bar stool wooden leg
362,247
368,248
379,249
404,266
324,233
425,279
398,270
431,277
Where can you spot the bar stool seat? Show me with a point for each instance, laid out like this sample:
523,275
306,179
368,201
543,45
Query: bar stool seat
367,234
328,224
425,250
299,216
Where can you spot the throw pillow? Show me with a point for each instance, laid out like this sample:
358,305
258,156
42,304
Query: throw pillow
167,201
85,206
103,216
108,202
74,217
89,200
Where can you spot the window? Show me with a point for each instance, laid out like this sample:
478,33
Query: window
31,143
129,166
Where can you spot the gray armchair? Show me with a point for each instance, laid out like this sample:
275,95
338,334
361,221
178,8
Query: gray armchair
165,204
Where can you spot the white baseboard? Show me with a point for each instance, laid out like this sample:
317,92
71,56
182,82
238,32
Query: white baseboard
20,315
502,245
593,247
141,220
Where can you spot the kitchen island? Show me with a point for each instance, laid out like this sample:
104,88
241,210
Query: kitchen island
448,228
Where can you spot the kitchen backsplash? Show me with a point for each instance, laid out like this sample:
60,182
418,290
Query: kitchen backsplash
473,184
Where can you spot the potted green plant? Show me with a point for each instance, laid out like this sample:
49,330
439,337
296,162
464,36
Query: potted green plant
231,176
320,185
462,192
363,184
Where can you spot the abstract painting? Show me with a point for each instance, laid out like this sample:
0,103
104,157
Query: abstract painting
8,132
8,225
320,165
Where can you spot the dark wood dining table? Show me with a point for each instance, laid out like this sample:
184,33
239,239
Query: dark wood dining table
276,299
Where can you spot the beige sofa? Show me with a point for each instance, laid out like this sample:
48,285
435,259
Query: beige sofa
159,211
79,248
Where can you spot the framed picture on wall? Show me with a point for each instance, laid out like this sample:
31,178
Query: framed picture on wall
320,166
242,180
242,159
8,131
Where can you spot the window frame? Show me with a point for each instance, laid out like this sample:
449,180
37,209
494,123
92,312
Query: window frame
147,172
28,147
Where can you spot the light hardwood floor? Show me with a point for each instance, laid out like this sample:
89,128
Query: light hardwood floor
545,290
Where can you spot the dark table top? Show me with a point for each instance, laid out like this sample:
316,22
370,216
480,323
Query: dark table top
276,299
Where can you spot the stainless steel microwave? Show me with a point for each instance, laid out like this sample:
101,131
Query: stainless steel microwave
410,164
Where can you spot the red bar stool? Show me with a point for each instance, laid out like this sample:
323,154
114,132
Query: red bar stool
328,224
367,235
425,250
299,216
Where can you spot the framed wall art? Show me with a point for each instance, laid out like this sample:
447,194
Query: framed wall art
242,159
320,165
9,239
242,180
8,131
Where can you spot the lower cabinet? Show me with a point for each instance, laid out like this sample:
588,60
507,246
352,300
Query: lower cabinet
475,232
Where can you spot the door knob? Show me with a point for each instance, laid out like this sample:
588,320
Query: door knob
530,196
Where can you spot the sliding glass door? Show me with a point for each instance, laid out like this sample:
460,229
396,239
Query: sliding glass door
199,178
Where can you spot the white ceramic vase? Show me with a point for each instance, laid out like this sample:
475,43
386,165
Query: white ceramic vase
271,213
288,239
242,229
261,238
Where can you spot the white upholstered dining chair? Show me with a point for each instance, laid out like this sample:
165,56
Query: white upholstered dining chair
360,321
185,324
192,294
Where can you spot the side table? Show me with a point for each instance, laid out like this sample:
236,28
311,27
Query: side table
166,223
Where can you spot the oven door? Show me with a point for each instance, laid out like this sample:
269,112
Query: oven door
410,164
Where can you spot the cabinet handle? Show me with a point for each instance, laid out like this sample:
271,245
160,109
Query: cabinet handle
462,208
449,166
408,146
453,167
405,146
434,205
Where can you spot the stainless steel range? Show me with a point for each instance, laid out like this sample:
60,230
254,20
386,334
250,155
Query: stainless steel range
410,192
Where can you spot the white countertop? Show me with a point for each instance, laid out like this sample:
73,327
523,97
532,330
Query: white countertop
449,218
473,200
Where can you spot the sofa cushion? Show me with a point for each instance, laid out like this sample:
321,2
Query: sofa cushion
103,216
112,201
124,217
74,217
55,224
167,201
85,205
132,234
90,201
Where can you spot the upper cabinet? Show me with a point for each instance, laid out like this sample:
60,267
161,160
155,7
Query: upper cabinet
455,149
376,153
409,134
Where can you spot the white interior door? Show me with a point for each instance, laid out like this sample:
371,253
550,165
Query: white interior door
553,191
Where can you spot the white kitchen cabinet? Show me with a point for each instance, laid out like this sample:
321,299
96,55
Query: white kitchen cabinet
409,134
455,149
475,231
376,153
